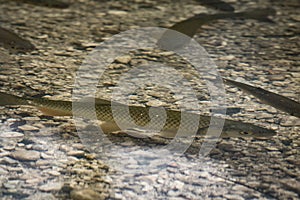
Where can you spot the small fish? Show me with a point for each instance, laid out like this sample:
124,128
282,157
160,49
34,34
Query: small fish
13,42
277,101
46,3
217,4
181,33
139,114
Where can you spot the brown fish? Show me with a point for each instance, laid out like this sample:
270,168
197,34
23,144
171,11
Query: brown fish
140,116
180,33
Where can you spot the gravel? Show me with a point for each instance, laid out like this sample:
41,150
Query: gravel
44,157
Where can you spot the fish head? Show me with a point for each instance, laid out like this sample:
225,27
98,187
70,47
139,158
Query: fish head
21,47
241,129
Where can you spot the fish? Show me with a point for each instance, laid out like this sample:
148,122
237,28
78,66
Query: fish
178,35
275,100
217,4
46,3
139,114
14,43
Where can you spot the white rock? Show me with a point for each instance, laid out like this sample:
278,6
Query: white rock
11,134
51,186
123,59
25,155
28,128
229,57
3,171
117,12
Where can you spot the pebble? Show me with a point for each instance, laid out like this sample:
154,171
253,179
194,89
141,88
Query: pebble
9,146
51,186
15,169
243,64
227,147
11,134
272,148
85,194
292,185
296,18
4,153
54,173
78,146
123,59
11,184
8,161
31,118
232,196
155,103
3,171
28,128
296,75
178,185
33,181
290,121
39,147
276,77
76,153
117,12
46,156
166,53
41,196
42,162
229,57
26,155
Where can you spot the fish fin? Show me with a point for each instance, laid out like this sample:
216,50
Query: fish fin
166,134
8,99
109,127
136,133
172,133
53,112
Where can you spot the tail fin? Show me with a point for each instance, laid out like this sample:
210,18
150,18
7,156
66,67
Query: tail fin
8,99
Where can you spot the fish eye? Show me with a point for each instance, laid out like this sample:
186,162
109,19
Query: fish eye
245,133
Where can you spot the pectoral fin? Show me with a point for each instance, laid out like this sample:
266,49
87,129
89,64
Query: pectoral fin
109,127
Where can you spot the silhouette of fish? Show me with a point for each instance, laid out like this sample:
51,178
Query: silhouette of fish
180,33
277,101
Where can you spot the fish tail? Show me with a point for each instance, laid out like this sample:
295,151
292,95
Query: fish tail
8,99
